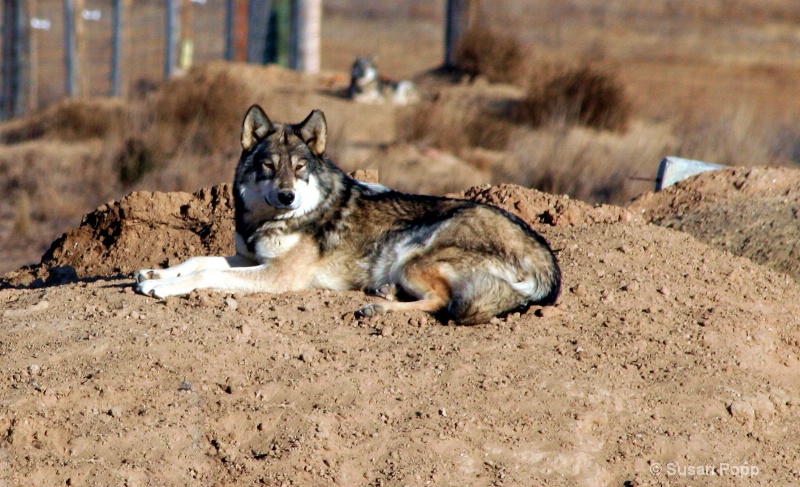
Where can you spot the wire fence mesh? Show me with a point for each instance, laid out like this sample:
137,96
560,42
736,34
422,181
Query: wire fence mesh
40,66
43,52
407,36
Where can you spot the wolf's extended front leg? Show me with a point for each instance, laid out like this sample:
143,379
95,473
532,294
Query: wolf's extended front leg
256,279
192,265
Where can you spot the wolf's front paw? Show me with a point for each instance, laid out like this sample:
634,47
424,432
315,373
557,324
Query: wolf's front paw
159,288
370,310
145,285
145,274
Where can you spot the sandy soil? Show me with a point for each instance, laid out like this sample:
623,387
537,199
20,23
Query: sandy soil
747,211
664,358
671,355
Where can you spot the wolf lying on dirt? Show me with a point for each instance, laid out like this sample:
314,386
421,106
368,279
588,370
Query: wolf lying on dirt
302,223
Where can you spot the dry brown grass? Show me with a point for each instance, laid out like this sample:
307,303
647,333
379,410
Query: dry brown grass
578,96
741,137
196,113
432,171
599,167
459,118
453,129
60,163
23,226
69,120
485,52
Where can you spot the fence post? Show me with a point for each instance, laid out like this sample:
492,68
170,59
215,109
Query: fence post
116,48
230,28
307,23
70,48
173,36
257,26
458,21
14,65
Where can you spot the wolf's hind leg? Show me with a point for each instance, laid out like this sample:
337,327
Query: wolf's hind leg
387,291
423,278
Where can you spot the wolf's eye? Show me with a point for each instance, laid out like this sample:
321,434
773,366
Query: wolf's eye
300,167
269,168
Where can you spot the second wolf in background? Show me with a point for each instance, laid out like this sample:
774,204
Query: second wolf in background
368,86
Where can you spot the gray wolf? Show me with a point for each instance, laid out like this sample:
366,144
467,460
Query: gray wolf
302,223
368,86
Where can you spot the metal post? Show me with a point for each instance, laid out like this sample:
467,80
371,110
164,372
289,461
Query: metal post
173,36
457,24
21,33
230,28
294,34
258,15
15,36
31,69
307,23
116,48
70,48
186,44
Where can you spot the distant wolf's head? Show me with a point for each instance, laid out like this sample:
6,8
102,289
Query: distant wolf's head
280,164
364,70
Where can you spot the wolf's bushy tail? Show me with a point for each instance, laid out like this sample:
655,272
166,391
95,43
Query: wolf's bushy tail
485,295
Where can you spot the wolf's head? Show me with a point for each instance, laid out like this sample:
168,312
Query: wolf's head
281,164
364,70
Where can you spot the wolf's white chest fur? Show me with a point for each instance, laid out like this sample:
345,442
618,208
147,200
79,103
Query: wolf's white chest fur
268,247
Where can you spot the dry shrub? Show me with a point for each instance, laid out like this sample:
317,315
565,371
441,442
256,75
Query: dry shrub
597,167
190,117
581,96
189,172
22,219
61,179
133,160
70,120
455,127
197,114
406,167
738,137
483,51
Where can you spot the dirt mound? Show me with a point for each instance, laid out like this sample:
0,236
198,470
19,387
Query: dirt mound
752,212
662,352
142,230
542,208
147,229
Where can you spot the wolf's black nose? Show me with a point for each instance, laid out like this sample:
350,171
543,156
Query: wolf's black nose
285,197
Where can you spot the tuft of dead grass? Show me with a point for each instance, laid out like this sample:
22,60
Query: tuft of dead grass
23,226
485,52
578,96
739,137
434,171
196,114
70,120
598,167
455,126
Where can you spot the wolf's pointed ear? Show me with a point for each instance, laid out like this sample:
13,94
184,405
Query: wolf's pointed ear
255,127
314,131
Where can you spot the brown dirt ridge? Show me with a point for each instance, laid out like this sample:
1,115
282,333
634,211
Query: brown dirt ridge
664,352
748,211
